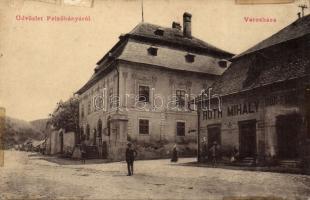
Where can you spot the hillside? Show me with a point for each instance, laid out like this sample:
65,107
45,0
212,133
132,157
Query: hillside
39,124
18,131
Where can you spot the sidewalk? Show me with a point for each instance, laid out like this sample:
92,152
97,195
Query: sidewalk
222,165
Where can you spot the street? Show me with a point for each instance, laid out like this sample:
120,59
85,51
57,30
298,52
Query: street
29,175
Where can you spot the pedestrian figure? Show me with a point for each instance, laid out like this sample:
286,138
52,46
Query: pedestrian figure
131,154
214,153
234,155
174,157
83,151
204,149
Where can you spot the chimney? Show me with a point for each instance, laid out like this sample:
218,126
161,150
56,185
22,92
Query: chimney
187,29
176,25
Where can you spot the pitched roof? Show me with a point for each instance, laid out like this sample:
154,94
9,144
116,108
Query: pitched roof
174,36
170,58
284,59
233,79
297,29
172,49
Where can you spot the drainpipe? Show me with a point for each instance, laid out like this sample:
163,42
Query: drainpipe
118,98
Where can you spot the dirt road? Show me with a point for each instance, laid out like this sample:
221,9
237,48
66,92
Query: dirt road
29,176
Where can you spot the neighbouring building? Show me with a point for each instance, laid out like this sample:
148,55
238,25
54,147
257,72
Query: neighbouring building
60,141
140,89
265,95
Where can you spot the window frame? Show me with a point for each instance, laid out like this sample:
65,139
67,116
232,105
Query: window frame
82,111
89,107
177,98
111,92
148,126
147,100
152,51
177,128
190,58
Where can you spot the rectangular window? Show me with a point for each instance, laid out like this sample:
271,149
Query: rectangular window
82,111
111,97
180,98
190,58
143,126
89,107
152,51
180,128
144,93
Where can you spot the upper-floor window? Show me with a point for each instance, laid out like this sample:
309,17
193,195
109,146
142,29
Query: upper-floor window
152,51
180,128
89,107
82,111
180,98
111,97
144,93
190,58
98,102
143,126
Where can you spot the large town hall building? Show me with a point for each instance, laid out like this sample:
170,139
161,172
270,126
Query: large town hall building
140,89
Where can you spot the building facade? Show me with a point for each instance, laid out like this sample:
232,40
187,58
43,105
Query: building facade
140,89
264,104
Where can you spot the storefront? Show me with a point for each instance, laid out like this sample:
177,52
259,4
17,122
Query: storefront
262,100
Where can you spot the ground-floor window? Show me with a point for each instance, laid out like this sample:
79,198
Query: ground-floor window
143,126
180,128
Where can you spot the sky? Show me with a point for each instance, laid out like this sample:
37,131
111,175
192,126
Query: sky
44,62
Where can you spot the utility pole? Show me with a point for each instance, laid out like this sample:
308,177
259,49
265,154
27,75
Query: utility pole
198,135
142,10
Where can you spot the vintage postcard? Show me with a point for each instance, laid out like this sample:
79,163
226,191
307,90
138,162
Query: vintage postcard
155,99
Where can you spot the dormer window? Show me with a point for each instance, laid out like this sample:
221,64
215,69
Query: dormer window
222,63
152,51
190,58
159,32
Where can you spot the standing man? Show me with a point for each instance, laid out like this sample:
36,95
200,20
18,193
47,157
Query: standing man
174,157
83,151
214,153
204,149
131,153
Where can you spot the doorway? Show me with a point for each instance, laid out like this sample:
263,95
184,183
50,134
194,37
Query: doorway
104,150
214,135
288,128
247,138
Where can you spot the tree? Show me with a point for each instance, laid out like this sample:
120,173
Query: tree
66,115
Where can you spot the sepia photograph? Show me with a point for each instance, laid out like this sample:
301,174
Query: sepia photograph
155,99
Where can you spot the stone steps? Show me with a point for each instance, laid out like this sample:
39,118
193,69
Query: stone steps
247,161
289,163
